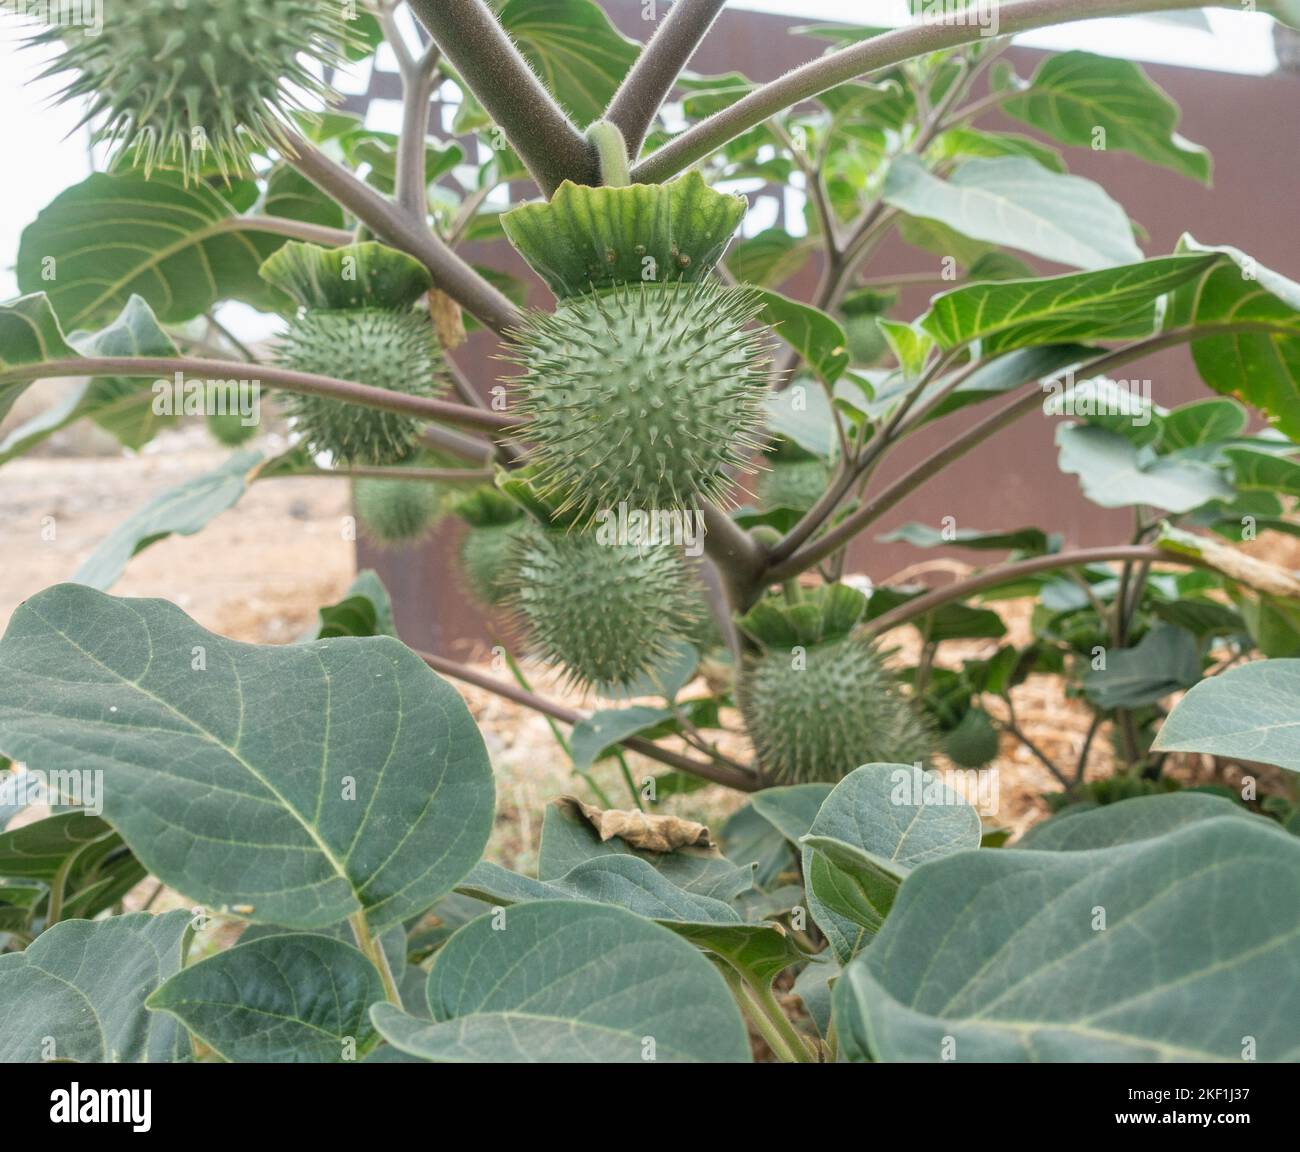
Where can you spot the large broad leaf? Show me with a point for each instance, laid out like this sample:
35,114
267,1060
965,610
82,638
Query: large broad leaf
1168,659
112,237
1074,94
122,406
1160,949
759,951
29,334
78,991
574,48
601,732
888,818
365,610
1247,713
791,810
568,840
288,998
1018,203
1142,818
817,337
1113,303
570,982
300,785
1032,540
1260,366
186,509
1115,473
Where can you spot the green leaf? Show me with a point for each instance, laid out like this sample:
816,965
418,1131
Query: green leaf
113,237
601,732
962,142
1167,659
307,782
1246,713
1115,473
1202,422
1032,540
911,346
568,840
288,998
574,48
747,838
893,817
365,610
83,985
122,406
1260,471
1142,818
951,622
290,195
1260,367
1016,202
186,509
1114,303
1003,956
1074,94
29,334
570,982
770,258
759,950
791,810
814,335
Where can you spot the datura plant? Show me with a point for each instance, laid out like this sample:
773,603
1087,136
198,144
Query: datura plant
655,493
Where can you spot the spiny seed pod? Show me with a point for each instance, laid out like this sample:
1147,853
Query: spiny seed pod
197,83
646,384
819,714
487,558
607,613
396,511
796,484
356,323
644,394
382,348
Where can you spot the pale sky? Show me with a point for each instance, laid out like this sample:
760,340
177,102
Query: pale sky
42,159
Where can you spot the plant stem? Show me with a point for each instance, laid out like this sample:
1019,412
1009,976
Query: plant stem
611,152
374,952
428,475
502,81
739,558
1011,573
320,234
346,390
650,80
54,907
394,225
743,781
883,51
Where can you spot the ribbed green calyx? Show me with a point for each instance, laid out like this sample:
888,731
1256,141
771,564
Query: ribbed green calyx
587,239
644,394
396,511
357,322
816,699
196,84
607,613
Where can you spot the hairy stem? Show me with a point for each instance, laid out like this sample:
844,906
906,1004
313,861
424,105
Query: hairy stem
744,781
294,229
395,226
650,80
345,390
883,51
500,79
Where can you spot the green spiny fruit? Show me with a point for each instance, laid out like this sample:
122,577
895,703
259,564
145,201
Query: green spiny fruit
186,82
607,613
819,714
396,511
384,348
796,484
644,394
